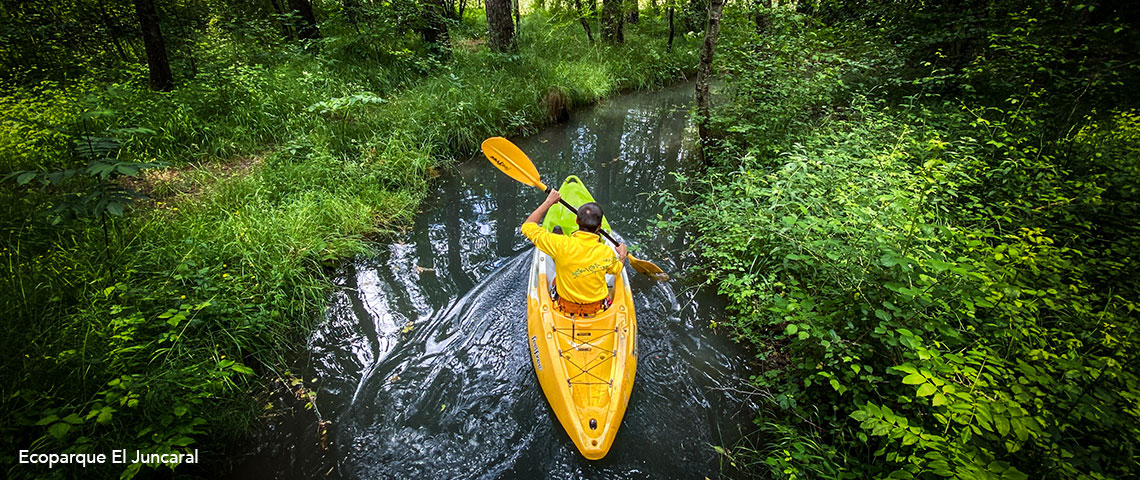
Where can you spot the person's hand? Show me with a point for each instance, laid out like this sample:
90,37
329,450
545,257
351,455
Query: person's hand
553,197
621,252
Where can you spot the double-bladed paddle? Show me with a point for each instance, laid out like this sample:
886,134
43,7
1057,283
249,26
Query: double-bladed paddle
509,158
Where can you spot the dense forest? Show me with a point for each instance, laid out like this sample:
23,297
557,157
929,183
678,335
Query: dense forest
923,215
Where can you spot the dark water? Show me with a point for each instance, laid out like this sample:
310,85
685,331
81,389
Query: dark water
422,366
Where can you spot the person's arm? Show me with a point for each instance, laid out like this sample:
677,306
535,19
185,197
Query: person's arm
621,255
541,238
538,213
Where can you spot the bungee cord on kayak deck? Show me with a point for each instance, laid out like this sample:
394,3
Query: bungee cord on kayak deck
587,369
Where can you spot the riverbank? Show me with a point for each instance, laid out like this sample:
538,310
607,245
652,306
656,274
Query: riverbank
158,328
930,241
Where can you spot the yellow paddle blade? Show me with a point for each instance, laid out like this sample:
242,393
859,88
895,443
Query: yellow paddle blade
648,268
512,161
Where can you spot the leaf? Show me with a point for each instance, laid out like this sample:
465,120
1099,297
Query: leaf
940,266
914,379
1014,474
939,399
1019,429
181,441
48,419
791,329
131,471
926,389
25,178
59,430
906,369
237,367
1001,422
115,208
104,415
128,170
73,419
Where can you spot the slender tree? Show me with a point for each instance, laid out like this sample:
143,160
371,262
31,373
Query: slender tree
632,11
583,20
704,70
156,59
761,8
307,27
111,29
285,30
352,10
434,28
612,22
669,48
501,29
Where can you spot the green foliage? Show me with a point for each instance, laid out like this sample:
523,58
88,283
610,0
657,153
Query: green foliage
937,286
100,191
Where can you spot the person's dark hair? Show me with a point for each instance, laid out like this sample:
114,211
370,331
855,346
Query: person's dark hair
590,217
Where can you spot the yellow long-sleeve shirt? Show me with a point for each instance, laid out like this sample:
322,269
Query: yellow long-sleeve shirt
581,262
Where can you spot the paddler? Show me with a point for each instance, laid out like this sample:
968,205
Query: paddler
581,260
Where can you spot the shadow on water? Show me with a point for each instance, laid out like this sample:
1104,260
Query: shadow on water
422,363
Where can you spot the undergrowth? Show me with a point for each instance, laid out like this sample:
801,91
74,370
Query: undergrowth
936,258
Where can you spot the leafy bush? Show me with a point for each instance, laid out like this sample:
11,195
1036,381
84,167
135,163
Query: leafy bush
935,288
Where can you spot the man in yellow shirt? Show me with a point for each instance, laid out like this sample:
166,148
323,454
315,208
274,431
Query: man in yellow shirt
581,260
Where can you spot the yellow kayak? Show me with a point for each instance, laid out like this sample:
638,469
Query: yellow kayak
585,364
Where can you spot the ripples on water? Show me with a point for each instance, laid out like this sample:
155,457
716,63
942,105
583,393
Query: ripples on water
422,363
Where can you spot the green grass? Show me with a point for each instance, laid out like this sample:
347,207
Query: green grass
282,162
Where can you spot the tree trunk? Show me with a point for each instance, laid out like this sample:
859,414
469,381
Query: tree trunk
670,47
280,17
632,11
156,59
704,72
189,52
612,22
582,18
352,13
434,30
761,15
307,29
500,27
112,31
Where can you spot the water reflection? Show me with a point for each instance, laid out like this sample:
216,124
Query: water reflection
422,361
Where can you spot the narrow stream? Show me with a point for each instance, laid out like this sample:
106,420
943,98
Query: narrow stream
422,366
